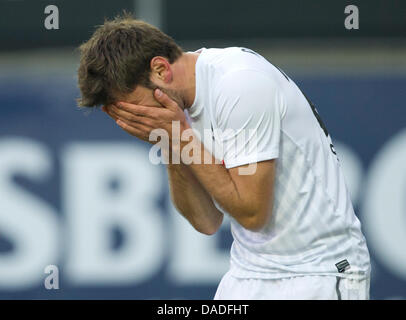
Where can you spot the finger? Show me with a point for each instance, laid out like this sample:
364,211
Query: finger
135,109
111,114
138,130
129,117
163,98
122,113
132,131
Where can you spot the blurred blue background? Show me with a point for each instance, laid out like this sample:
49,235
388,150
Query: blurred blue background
78,193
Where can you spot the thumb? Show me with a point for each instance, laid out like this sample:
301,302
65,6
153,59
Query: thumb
163,98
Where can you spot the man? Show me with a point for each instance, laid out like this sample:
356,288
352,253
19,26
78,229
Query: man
276,173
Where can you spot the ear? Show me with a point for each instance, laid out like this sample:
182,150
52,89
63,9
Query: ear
161,70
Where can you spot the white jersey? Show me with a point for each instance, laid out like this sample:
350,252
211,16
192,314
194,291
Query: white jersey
313,228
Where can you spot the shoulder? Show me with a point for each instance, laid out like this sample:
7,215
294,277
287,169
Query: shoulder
241,78
239,68
245,81
248,88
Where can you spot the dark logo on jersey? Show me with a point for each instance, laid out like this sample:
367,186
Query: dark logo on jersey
342,266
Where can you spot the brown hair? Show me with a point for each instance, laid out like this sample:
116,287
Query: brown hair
117,58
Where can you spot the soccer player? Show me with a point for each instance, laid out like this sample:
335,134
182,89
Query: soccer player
276,173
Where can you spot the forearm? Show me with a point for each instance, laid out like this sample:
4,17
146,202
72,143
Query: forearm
219,183
236,197
192,200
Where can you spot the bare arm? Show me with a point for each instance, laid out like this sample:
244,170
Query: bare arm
247,198
192,200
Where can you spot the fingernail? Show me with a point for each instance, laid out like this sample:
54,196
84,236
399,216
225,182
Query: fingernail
158,93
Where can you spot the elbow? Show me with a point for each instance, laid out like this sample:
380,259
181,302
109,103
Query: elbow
207,231
210,229
253,224
205,226
257,221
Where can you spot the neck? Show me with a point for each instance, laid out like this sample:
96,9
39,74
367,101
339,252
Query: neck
186,66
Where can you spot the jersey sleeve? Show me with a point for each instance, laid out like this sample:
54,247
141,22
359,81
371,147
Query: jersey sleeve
249,107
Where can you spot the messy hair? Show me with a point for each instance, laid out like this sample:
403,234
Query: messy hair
117,58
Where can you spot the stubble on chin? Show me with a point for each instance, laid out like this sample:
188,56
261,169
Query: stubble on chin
175,96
